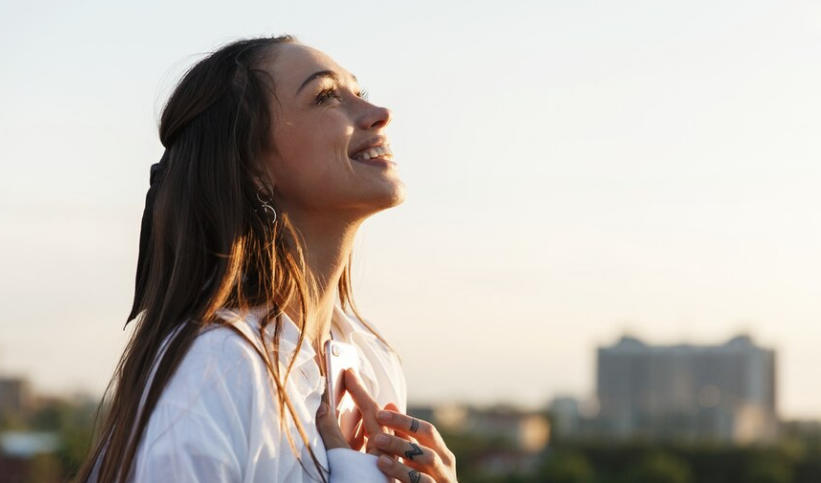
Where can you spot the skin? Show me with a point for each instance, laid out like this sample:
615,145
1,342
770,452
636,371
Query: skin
424,456
327,195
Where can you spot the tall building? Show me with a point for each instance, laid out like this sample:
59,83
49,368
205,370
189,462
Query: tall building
722,393
15,396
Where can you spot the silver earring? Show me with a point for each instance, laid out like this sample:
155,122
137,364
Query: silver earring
269,210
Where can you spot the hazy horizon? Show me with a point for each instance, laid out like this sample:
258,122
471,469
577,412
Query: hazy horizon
574,171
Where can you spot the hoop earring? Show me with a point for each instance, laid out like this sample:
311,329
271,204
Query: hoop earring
269,210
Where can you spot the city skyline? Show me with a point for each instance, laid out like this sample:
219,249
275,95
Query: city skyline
587,399
574,172
724,392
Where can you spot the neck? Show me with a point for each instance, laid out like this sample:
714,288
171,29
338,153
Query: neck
327,244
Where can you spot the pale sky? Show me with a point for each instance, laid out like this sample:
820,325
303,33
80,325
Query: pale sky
575,170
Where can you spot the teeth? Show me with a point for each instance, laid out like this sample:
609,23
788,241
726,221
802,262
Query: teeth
375,153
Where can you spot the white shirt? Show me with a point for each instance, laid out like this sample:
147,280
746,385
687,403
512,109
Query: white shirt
217,420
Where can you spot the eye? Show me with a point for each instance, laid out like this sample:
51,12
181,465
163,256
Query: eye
327,94
363,94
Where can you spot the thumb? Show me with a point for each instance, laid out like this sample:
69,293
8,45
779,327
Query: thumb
329,428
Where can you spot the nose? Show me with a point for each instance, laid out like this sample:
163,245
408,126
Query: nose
375,117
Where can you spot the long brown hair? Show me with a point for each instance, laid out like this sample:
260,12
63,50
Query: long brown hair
209,245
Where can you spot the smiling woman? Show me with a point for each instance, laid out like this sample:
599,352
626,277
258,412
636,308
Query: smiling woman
326,134
273,159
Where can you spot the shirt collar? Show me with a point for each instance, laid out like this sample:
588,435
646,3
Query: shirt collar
341,325
342,328
289,335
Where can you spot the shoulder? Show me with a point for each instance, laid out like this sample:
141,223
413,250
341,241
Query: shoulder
220,363
226,342
204,405
221,385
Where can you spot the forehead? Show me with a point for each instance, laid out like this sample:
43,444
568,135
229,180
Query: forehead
293,63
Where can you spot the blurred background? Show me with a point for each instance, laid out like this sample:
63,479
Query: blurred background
607,268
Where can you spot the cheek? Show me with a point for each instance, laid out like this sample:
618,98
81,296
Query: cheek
289,161
310,159
314,140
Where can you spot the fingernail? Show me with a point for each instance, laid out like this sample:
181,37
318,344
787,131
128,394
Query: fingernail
381,439
323,408
383,415
385,460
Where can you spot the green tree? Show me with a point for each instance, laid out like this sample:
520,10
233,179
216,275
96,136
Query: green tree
566,467
660,467
770,469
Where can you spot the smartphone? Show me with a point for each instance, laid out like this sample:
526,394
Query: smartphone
338,357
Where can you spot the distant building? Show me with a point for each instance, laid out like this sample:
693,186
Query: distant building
28,456
518,437
26,444
15,395
528,432
565,415
721,393
524,431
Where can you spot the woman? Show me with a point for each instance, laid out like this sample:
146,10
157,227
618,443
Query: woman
273,159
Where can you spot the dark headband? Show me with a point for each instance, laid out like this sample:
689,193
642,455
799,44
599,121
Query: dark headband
157,174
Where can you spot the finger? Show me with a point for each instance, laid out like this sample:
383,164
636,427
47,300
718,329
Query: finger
418,456
357,417
359,437
405,436
372,447
367,405
393,407
420,429
402,472
328,428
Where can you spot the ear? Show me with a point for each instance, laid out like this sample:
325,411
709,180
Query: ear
263,171
263,185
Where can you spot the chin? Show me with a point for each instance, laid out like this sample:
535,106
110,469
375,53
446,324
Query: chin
387,198
396,196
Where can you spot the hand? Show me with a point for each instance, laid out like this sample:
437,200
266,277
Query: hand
328,424
368,407
426,458
328,428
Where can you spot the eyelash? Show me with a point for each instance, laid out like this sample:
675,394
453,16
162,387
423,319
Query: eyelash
331,92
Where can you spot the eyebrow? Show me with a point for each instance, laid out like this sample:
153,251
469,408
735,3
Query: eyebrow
322,74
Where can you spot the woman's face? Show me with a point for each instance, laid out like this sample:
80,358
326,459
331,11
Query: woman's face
322,127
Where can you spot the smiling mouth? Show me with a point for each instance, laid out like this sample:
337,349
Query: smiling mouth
380,152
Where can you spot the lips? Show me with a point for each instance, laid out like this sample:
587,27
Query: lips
373,147
383,151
